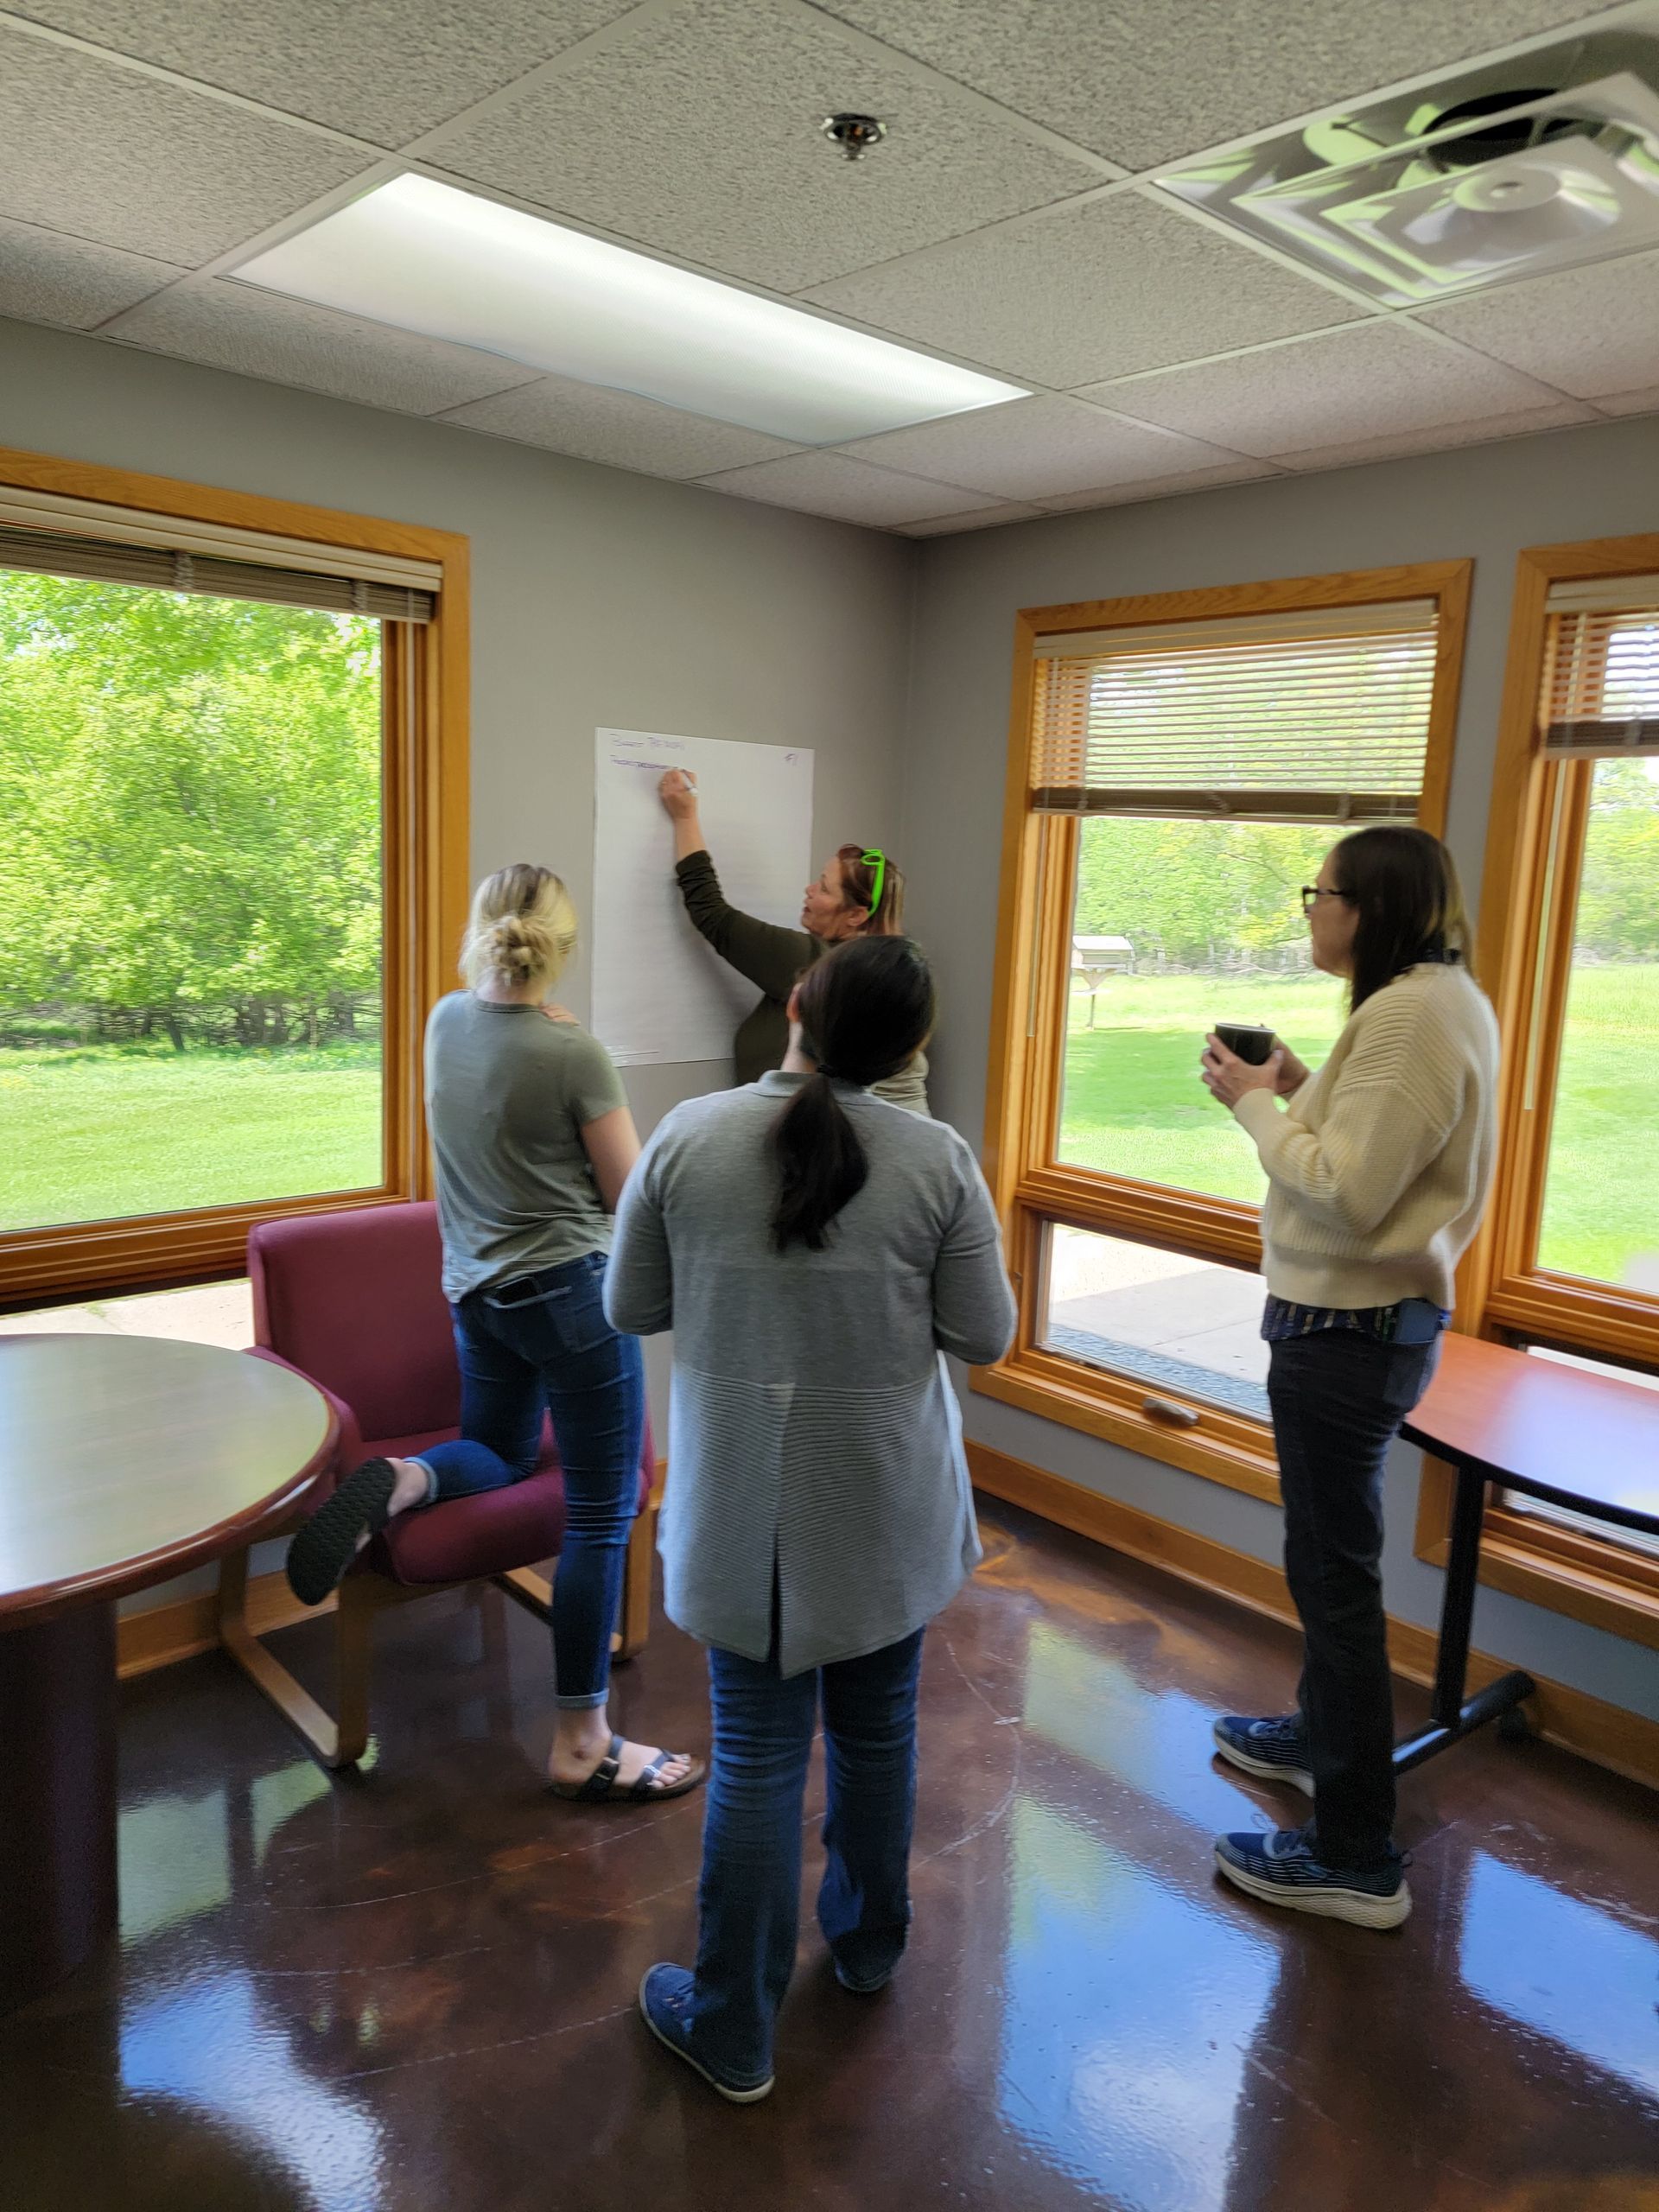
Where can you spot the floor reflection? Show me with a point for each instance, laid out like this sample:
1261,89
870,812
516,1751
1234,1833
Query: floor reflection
1148,1735
1127,2004
391,1992
211,2044
1562,1968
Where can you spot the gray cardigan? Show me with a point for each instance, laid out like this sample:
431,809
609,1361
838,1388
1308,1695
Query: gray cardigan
812,1422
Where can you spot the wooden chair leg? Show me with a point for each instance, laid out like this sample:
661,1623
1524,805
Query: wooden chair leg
296,1705
635,1624
534,1592
353,1625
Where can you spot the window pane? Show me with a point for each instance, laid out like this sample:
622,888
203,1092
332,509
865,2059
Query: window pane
190,901
1177,1324
1601,1192
1539,1509
1175,926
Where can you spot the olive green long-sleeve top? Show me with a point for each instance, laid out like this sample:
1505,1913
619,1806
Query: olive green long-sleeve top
773,960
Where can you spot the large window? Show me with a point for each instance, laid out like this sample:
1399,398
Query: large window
1569,1264
1179,767
226,885
191,913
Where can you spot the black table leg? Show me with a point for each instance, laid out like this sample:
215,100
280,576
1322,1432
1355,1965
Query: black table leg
1453,1716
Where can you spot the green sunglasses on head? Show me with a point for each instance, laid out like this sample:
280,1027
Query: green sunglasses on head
873,856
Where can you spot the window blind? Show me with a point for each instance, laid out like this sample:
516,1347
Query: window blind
1309,717
1601,679
119,545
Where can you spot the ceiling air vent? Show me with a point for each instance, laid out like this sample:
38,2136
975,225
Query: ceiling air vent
1553,160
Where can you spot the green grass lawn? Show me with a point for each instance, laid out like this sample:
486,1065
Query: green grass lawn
103,1131
107,1130
1133,1104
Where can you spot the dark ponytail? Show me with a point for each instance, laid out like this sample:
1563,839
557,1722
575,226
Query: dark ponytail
865,1009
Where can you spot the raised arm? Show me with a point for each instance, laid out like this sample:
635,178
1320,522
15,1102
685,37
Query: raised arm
770,957
973,1305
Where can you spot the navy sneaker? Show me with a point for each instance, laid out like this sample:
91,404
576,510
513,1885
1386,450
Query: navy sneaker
1276,1750
1280,1869
662,1994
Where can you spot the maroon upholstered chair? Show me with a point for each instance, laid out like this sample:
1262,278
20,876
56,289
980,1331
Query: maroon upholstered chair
352,1301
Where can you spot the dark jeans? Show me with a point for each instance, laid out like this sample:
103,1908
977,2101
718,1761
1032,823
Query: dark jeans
539,1344
749,1898
1338,1399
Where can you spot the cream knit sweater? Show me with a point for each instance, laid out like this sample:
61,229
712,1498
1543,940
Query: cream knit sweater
1379,1164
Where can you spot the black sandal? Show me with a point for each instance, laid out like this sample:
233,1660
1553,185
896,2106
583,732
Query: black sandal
326,1547
602,1788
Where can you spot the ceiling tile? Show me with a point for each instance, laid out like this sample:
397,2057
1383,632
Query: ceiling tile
1377,380
1444,435
230,326
1127,79
112,156
980,519
1645,402
1590,331
852,491
46,277
722,160
1031,448
618,428
383,69
1162,487
1124,284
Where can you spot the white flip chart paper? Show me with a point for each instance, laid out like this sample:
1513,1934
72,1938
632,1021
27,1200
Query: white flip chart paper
660,992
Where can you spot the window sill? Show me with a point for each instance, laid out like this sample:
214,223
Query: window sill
1223,1448
1519,1562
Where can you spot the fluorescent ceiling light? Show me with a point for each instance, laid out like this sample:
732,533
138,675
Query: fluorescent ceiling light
427,257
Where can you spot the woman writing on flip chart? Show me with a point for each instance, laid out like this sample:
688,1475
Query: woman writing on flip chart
860,894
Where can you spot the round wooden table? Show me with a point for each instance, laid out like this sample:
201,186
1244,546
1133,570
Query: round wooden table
123,1461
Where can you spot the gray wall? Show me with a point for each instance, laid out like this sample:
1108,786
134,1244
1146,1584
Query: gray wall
600,599
1484,502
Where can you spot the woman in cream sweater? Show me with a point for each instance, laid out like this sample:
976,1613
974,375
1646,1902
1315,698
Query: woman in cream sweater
1378,1167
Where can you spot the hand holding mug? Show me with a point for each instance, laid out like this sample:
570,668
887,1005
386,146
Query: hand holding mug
1226,1076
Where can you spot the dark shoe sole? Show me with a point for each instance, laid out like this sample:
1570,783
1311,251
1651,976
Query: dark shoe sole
1297,1777
326,1547
733,2096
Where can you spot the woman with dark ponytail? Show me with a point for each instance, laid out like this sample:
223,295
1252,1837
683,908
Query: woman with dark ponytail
828,1247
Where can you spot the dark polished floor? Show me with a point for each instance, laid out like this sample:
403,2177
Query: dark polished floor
412,1990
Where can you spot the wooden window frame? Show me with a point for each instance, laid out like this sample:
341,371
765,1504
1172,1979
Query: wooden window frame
1028,1037
1524,957
425,692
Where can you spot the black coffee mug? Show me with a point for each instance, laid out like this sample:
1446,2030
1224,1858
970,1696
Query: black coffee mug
1247,1040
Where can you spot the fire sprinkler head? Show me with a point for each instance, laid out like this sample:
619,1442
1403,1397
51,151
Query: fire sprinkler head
854,134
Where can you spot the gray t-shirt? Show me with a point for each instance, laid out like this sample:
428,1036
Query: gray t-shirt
508,1094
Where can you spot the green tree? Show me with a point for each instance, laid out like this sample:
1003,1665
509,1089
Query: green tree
1618,890
1197,894
192,796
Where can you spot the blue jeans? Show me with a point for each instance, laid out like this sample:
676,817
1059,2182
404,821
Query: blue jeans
541,1343
749,1898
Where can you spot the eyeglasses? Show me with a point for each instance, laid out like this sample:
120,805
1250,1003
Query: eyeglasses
1313,893
873,856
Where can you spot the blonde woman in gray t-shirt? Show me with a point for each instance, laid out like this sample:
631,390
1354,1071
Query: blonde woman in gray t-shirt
533,1141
